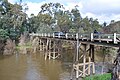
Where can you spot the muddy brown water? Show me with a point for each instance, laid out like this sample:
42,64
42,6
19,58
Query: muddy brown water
32,67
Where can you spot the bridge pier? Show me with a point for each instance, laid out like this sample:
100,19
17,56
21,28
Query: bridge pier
35,44
42,44
52,49
84,64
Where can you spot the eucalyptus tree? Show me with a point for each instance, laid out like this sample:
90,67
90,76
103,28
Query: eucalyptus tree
76,19
4,19
5,6
46,22
64,21
33,23
12,18
59,18
90,24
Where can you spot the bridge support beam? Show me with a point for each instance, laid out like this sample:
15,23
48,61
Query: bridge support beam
42,44
35,44
84,64
52,49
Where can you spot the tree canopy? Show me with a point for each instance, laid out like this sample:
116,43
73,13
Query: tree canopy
52,17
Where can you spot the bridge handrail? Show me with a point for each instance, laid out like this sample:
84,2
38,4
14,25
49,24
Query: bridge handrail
101,36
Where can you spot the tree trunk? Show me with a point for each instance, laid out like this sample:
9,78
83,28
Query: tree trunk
116,68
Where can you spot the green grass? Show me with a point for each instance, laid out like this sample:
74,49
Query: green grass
106,76
27,45
17,47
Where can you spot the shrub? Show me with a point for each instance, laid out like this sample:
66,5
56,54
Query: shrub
106,76
3,34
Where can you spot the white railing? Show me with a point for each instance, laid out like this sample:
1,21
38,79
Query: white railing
110,37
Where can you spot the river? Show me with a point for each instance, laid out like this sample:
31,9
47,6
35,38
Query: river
32,67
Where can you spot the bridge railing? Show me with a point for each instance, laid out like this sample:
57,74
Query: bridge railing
103,36
109,37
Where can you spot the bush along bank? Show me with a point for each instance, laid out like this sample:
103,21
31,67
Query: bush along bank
106,76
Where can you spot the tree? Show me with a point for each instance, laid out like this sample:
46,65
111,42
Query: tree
76,18
90,24
3,34
12,18
5,6
55,11
33,23
64,22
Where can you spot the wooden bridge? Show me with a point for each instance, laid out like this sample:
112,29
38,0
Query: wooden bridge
85,44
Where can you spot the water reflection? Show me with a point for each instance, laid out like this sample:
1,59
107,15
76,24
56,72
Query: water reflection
31,67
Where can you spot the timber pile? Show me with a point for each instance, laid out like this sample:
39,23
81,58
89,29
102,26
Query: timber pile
35,44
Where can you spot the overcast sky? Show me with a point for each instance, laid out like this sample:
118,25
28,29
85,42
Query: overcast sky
103,10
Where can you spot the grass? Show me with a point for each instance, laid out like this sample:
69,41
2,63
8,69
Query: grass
106,76
17,47
27,45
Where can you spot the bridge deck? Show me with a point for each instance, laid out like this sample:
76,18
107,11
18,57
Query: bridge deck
95,39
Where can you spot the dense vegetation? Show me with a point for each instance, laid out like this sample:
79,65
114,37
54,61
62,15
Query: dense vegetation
113,27
52,17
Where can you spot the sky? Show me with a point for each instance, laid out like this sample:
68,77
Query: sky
103,10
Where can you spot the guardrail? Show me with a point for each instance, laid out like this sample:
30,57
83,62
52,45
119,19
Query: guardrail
110,37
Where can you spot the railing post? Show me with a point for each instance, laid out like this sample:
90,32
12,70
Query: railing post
77,35
42,34
58,35
81,36
45,34
115,40
91,37
33,34
48,34
53,35
66,35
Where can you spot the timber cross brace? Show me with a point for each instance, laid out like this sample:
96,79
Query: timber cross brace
52,49
84,60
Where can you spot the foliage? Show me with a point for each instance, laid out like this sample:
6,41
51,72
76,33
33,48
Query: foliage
27,45
55,17
3,34
89,25
64,22
106,76
52,17
113,27
76,19
12,19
